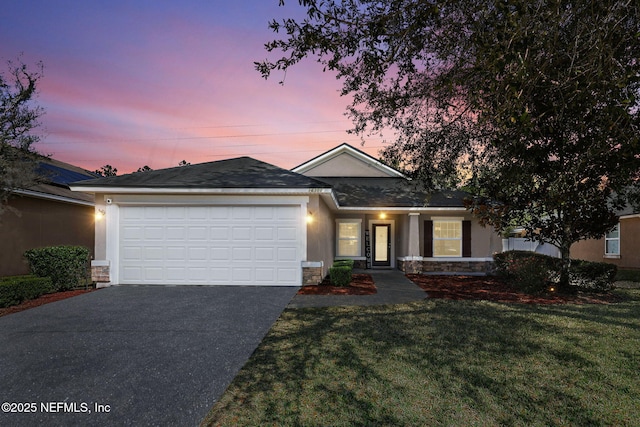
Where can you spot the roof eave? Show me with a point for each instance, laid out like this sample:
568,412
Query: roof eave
183,190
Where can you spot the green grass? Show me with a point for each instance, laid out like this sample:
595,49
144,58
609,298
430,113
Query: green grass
438,362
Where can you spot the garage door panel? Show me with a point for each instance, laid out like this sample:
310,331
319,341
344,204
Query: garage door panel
175,232
241,233
175,274
242,213
219,233
153,253
197,233
176,253
197,213
153,274
265,254
135,232
153,213
241,254
264,233
287,254
220,254
242,274
222,245
154,233
198,254
265,275
287,275
287,234
175,212
132,253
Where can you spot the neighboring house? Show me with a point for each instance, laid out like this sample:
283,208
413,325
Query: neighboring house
621,246
246,222
46,214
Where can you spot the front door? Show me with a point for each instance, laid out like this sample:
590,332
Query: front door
381,245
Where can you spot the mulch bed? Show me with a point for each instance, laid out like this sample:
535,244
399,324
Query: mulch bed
361,284
44,299
495,289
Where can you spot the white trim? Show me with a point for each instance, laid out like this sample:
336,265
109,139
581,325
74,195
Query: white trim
360,235
410,258
607,239
53,197
231,191
456,259
632,216
310,264
346,148
203,200
112,243
434,239
422,209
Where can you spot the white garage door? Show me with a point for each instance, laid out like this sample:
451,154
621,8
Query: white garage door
210,245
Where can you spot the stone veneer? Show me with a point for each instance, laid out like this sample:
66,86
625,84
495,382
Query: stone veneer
312,273
445,266
100,271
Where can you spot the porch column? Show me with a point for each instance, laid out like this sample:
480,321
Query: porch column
414,235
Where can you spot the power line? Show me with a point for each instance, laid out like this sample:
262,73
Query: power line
185,138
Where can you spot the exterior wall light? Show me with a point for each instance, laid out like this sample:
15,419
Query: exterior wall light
100,214
383,215
309,217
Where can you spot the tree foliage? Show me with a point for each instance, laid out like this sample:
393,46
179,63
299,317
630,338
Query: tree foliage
18,118
533,104
106,170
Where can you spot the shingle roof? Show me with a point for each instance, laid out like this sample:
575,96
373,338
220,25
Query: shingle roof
241,172
390,192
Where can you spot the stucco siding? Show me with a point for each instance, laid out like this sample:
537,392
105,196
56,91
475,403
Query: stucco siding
320,233
34,223
593,249
339,165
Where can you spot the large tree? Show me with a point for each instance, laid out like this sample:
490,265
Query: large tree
533,104
18,119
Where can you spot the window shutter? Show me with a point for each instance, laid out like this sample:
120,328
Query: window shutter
466,239
428,239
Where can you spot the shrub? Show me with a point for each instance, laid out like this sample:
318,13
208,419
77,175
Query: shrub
67,266
592,276
533,272
343,262
340,275
628,275
528,271
16,289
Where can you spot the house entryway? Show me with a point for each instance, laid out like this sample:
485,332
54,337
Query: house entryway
382,247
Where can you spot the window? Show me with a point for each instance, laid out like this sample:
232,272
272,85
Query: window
447,238
612,242
348,237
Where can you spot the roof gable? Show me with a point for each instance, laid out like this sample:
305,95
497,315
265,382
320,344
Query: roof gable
346,161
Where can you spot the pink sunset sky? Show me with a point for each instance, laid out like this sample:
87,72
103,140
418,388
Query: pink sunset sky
134,83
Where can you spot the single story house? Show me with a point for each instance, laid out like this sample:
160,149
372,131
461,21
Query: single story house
620,246
245,222
46,214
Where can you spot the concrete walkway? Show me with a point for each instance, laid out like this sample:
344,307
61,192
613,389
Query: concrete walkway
393,288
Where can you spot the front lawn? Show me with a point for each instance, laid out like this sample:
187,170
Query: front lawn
443,362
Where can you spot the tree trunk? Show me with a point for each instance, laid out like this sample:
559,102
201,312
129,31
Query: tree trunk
565,265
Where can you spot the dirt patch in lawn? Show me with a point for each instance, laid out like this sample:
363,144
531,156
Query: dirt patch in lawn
44,299
361,284
496,289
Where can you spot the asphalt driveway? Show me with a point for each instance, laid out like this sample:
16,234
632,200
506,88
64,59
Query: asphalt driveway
139,355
